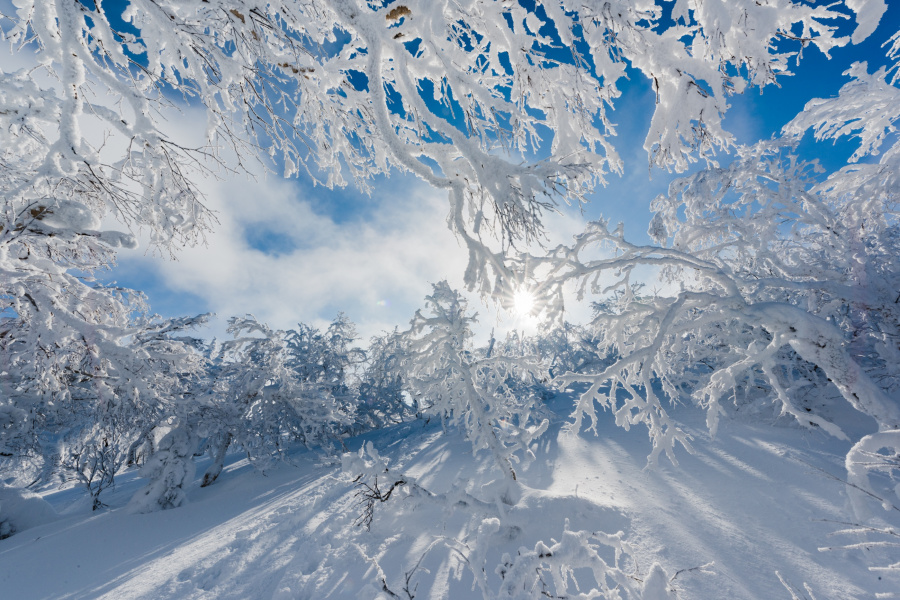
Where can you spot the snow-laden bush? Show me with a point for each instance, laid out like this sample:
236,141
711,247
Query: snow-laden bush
377,484
169,470
558,347
327,360
559,570
581,564
383,394
21,510
94,457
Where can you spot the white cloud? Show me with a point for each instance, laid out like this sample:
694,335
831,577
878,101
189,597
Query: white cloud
377,270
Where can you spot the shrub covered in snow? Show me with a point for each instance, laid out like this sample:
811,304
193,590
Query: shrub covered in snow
21,510
170,470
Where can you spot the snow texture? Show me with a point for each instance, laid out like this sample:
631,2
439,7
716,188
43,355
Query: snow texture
753,501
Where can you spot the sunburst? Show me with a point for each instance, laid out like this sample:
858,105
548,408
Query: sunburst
523,303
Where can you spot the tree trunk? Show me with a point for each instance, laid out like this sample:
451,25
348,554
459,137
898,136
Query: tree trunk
212,473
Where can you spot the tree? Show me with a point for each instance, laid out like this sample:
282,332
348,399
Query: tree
342,360
560,347
448,381
169,470
83,392
260,402
779,277
383,397
74,351
327,360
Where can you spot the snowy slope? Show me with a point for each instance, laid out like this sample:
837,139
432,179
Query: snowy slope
754,501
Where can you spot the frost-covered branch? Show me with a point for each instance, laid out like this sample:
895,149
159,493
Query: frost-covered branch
774,279
456,93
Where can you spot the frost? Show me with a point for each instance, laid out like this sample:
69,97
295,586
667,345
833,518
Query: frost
868,15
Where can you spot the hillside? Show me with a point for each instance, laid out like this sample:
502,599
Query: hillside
755,501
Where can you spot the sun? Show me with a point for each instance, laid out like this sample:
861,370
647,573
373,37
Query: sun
523,303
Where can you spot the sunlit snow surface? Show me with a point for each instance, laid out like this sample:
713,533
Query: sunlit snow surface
753,500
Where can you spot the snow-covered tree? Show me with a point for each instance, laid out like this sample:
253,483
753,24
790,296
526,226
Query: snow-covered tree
382,397
93,457
449,381
779,278
60,179
306,348
79,400
169,470
80,364
259,401
329,359
342,360
101,437
559,347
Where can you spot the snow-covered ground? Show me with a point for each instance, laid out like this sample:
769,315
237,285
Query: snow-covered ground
755,502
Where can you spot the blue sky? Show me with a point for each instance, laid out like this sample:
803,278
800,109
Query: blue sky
287,251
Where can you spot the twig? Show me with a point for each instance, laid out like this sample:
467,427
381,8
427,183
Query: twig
853,485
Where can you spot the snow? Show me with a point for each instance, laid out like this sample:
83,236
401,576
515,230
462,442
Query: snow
868,15
21,510
753,501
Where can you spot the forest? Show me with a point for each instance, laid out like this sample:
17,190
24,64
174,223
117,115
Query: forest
765,299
